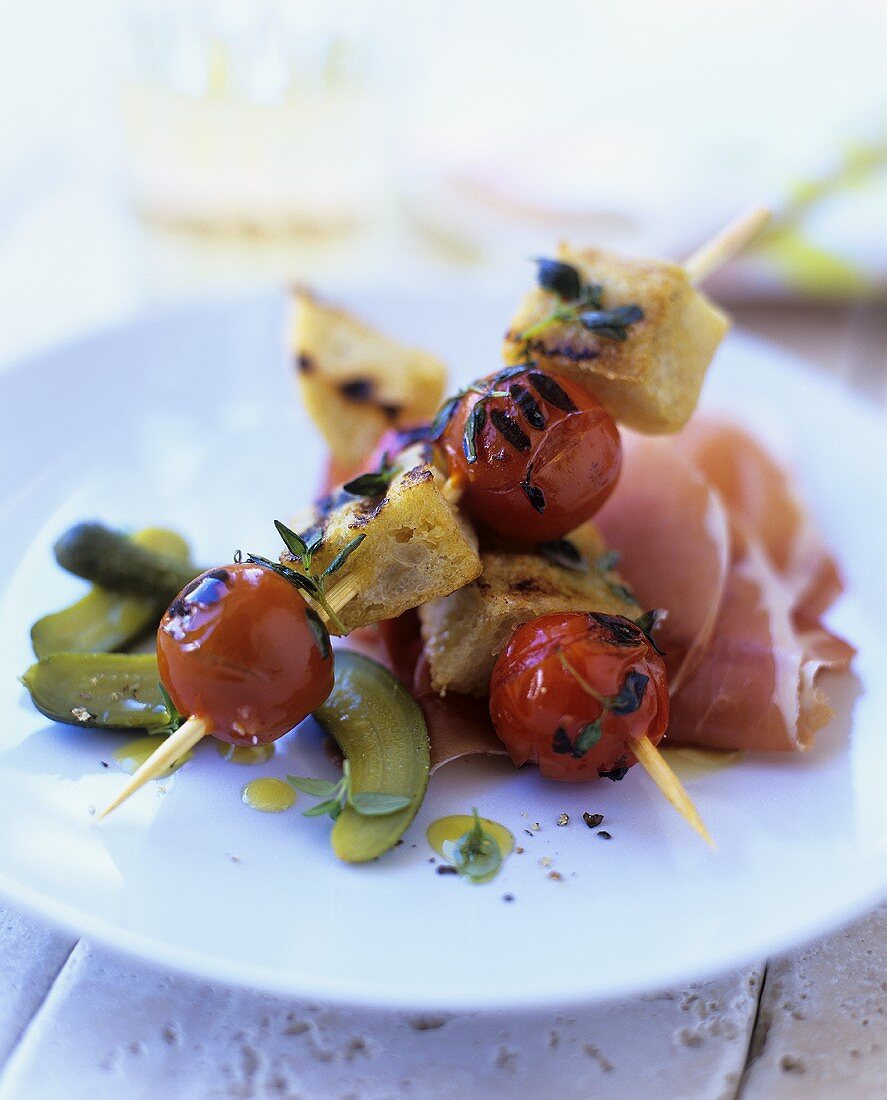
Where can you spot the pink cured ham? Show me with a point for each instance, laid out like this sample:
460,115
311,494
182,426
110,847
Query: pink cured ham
760,497
748,676
672,534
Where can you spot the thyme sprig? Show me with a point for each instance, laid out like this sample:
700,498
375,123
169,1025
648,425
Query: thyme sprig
485,387
580,301
335,796
476,854
306,577
372,484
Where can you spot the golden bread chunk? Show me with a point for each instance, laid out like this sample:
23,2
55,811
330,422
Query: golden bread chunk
417,546
357,383
464,632
650,381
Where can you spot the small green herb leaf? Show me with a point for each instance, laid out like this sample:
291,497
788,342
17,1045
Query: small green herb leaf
560,278
562,552
343,555
587,738
607,562
372,484
322,788
473,427
476,855
293,542
444,416
648,624
374,804
330,807
630,694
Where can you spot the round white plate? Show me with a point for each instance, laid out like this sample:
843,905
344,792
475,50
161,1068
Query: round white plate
189,419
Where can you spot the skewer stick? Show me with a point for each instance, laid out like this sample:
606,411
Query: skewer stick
652,760
165,756
729,242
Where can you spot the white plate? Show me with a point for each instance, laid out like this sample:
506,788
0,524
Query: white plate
188,419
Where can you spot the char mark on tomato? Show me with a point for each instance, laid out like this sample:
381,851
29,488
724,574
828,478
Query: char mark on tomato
550,391
509,428
621,631
529,407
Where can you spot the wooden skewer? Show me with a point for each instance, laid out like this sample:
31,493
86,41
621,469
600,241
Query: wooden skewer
652,760
164,756
729,242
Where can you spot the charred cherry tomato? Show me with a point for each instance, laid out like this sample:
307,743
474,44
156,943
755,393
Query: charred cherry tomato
241,648
572,691
537,462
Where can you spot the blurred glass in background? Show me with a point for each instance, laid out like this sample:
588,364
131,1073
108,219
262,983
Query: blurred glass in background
154,149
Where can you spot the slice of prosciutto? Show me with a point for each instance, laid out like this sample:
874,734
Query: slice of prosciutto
745,591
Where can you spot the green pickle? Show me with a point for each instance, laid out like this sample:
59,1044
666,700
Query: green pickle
104,690
104,621
379,727
119,563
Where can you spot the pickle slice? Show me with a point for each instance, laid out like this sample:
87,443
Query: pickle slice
104,621
379,727
105,690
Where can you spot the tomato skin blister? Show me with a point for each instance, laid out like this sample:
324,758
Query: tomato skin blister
571,693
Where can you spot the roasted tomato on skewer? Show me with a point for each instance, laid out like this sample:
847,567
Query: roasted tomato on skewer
242,649
574,692
536,455
242,657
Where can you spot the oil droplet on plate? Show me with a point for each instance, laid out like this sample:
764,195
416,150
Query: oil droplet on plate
133,754
245,754
690,763
269,796
444,832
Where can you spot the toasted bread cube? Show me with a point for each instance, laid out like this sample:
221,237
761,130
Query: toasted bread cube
464,632
357,383
417,546
651,380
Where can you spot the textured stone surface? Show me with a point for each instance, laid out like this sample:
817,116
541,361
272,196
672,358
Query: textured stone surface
822,1025
31,955
118,1028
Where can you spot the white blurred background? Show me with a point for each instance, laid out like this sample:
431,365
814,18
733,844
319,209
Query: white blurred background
152,151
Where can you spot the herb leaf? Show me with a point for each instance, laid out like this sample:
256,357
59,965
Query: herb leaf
331,807
473,426
372,484
343,555
444,416
560,278
322,788
293,542
375,804
630,694
562,552
476,854
175,718
587,738
648,624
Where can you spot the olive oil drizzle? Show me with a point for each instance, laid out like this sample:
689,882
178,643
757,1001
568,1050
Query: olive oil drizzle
268,795
133,754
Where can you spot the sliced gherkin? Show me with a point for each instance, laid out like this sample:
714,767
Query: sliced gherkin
104,621
379,727
105,690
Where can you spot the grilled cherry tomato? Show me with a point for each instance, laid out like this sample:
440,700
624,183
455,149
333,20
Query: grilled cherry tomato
240,647
572,691
537,462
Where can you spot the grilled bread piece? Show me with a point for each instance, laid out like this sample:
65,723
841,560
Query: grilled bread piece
357,383
651,380
417,546
464,632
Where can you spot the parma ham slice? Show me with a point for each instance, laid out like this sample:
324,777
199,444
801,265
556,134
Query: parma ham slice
745,597
673,536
